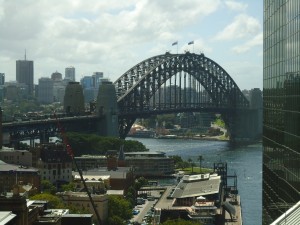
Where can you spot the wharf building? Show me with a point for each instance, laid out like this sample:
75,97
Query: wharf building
205,198
281,109
154,164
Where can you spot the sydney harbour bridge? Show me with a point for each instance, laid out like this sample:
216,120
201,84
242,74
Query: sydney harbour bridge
168,83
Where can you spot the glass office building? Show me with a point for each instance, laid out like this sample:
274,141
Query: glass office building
281,96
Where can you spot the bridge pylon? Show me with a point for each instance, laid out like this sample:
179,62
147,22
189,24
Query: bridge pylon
107,110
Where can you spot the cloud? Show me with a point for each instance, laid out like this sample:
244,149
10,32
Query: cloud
236,6
242,26
256,41
109,36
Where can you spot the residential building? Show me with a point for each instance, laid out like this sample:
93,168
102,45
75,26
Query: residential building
70,73
25,73
11,175
281,108
17,157
45,92
53,162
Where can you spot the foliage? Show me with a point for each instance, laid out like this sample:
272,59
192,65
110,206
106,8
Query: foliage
119,210
177,161
48,187
98,145
180,222
54,202
219,122
68,187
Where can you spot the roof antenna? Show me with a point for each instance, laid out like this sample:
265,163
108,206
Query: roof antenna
25,54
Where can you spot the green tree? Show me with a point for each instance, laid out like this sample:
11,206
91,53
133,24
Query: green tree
53,201
200,158
191,164
48,187
177,161
68,187
119,210
98,145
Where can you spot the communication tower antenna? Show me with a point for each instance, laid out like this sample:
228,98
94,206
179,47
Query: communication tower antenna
25,54
71,154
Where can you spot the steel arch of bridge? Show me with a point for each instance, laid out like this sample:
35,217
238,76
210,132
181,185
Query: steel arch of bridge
137,87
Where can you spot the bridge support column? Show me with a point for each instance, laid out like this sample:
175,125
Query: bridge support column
31,142
44,138
107,109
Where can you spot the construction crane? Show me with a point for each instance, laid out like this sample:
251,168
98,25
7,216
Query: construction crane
71,154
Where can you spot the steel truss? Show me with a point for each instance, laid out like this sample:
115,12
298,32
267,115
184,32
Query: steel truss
175,83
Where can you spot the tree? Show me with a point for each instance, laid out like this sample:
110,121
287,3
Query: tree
191,164
54,202
119,210
200,158
177,160
98,145
68,187
48,187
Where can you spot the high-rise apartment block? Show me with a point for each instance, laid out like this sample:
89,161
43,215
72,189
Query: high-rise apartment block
70,73
281,108
24,73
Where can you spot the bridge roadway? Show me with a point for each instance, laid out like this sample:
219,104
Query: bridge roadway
38,128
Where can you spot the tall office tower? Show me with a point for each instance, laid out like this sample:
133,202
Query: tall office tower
281,108
24,73
45,90
2,78
97,76
70,73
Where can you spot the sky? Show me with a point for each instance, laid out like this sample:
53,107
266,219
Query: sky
113,36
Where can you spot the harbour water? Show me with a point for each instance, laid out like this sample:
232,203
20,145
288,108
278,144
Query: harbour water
245,162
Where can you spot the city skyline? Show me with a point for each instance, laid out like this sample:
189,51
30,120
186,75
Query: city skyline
114,36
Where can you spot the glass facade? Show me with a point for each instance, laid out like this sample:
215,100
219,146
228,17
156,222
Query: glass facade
281,97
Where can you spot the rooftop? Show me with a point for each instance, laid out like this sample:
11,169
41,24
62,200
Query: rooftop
193,186
5,167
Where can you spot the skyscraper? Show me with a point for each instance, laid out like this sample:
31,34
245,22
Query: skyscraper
2,78
24,73
281,97
45,90
70,73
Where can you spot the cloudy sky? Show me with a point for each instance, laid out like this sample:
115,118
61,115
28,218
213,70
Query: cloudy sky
114,35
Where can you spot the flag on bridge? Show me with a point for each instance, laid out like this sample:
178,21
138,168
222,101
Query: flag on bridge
175,43
191,43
